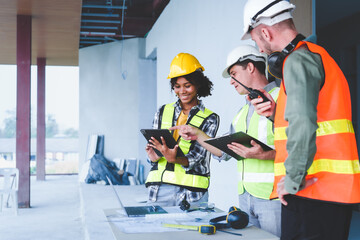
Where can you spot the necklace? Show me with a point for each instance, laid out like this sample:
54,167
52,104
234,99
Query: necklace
187,110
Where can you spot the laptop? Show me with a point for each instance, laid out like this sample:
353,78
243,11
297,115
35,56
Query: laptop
138,211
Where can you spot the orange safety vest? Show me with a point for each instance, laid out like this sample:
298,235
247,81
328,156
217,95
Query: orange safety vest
336,162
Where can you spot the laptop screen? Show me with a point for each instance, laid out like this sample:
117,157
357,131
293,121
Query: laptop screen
137,211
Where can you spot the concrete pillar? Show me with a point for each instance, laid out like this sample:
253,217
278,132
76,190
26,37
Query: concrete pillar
40,132
23,61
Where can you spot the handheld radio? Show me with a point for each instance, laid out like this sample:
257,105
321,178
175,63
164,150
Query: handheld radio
253,93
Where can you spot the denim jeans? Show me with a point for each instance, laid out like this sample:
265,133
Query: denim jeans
168,195
264,214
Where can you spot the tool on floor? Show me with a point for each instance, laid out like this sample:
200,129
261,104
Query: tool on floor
203,229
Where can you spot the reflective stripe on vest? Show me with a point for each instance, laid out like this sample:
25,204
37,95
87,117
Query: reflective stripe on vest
156,172
336,162
255,175
175,174
326,165
325,128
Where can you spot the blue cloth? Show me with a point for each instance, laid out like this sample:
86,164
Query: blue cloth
100,167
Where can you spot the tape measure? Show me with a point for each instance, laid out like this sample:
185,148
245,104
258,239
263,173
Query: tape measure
203,229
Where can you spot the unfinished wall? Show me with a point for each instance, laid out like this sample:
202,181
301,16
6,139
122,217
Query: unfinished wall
112,101
303,16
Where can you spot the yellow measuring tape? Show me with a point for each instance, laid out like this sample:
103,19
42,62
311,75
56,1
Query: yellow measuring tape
204,229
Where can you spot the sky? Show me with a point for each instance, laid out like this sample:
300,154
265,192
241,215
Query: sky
62,93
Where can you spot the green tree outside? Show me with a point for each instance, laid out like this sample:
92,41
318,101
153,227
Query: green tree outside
9,130
52,127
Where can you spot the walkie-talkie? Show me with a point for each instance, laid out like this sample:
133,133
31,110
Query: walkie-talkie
253,93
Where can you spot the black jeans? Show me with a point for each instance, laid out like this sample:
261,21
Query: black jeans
308,219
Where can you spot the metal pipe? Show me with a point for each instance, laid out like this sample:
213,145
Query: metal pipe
103,6
99,15
99,27
91,38
106,34
83,33
99,21
97,33
90,42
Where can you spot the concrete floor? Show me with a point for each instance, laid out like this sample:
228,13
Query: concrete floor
54,212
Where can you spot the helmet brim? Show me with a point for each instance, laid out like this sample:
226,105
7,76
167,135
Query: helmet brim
225,73
246,36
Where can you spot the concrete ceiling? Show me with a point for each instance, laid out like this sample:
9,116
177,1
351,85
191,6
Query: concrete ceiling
104,21
61,27
55,30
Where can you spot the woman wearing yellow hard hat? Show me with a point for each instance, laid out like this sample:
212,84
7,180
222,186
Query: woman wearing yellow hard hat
172,180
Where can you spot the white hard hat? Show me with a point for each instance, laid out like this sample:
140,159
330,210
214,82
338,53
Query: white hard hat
241,54
268,12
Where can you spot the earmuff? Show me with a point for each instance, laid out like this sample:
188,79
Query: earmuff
234,219
276,59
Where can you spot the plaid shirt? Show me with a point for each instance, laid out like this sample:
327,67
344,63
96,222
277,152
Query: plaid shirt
198,157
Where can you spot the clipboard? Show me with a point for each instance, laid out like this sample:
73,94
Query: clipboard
238,137
165,133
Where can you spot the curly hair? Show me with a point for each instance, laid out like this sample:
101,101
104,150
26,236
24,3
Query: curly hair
202,83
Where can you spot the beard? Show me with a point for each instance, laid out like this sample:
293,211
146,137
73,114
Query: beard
266,46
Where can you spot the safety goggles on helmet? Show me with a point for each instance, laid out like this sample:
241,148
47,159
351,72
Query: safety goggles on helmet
241,54
251,57
273,12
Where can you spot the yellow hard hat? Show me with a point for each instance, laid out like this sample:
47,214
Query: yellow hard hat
183,64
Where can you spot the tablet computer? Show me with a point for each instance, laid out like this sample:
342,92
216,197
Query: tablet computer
165,133
239,137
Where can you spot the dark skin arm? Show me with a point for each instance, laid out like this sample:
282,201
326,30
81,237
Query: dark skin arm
151,153
191,133
168,153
